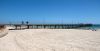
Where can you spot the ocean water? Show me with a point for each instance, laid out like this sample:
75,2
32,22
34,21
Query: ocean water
94,27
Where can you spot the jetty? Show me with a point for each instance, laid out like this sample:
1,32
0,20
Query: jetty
50,26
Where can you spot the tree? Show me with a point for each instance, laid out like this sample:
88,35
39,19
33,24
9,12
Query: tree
27,22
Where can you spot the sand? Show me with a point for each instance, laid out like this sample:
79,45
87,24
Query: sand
3,31
51,40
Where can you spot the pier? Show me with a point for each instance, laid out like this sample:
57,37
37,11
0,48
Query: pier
50,26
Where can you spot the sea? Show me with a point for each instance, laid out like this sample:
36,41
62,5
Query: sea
93,27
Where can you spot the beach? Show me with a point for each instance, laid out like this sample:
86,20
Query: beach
51,40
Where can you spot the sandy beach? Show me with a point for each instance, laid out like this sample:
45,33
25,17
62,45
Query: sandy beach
50,40
49,25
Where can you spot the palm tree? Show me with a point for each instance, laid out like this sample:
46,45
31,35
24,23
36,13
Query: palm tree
27,22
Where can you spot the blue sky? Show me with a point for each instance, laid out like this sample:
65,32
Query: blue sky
50,11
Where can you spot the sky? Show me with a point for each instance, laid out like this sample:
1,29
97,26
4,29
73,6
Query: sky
50,11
